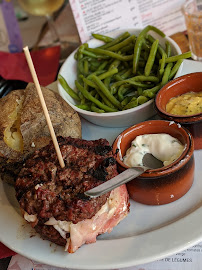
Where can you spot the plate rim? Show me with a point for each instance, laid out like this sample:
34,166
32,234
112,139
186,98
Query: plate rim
178,240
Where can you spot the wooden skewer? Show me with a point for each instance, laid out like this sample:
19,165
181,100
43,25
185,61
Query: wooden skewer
43,104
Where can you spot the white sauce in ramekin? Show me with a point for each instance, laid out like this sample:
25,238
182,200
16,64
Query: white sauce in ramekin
162,146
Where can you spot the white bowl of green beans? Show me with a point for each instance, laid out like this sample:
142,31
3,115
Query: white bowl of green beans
112,80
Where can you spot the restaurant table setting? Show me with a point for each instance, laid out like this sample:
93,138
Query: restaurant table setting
168,243
91,131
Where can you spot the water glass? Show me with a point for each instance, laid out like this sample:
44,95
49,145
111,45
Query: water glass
192,10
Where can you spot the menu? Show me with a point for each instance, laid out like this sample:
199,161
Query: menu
102,16
185,260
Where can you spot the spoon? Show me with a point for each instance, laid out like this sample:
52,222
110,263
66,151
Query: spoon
149,162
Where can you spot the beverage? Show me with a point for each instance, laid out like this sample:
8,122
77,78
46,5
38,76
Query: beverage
41,7
193,19
194,30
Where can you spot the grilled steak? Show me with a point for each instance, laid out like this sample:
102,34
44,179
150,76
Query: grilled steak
51,195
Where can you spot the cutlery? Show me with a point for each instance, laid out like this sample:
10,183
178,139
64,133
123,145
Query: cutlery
149,162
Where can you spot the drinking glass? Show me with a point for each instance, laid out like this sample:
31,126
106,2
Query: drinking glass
192,10
44,8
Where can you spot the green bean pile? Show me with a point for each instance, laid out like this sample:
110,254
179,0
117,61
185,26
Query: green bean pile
123,73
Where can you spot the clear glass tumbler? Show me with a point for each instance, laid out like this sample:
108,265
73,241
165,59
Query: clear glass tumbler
192,11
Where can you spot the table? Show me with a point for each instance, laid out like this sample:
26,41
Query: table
69,34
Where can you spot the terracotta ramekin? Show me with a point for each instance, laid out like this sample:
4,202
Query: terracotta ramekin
164,185
179,86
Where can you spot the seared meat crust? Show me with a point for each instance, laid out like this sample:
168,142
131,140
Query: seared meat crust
51,234
44,189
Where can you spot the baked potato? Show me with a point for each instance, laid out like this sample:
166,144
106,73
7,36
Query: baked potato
23,127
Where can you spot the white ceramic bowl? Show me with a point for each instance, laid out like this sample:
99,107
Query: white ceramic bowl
115,119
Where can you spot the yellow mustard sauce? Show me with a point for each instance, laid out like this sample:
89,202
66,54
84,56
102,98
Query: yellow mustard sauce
186,104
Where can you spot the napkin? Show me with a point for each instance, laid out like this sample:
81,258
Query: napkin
46,62
5,252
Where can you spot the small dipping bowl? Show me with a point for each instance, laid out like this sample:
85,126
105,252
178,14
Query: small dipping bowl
188,83
166,184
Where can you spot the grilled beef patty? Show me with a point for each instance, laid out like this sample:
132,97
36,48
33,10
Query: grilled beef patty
45,189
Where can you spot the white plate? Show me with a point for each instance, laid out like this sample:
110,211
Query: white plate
114,119
147,234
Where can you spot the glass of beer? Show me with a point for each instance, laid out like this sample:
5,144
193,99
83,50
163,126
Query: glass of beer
192,10
44,8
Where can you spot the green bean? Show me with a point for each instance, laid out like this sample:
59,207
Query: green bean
139,42
122,91
84,107
134,93
151,92
106,92
175,69
83,100
160,49
104,98
103,65
128,81
115,41
67,88
85,67
145,55
98,72
125,75
81,96
143,78
80,51
92,84
133,103
109,73
122,44
146,45
94,63
128,49
142,99
168,49
96,109
89,82
114,64
110,54
121,72
178,57
166,74
80,67
151,58
107,82
102,37
126,100
118,77
91,98
139,91
162,64
78,74
94,55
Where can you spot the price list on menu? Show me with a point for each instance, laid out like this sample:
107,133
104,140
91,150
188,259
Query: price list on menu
102,16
